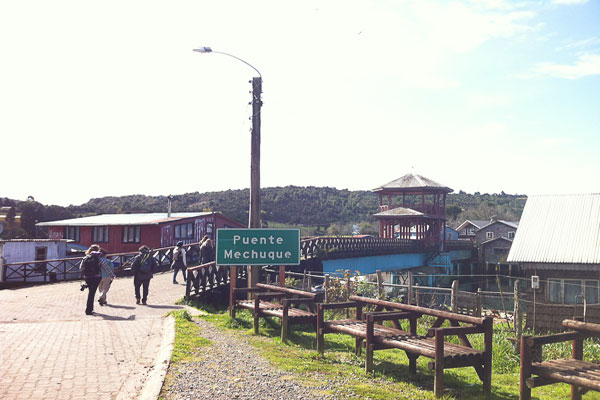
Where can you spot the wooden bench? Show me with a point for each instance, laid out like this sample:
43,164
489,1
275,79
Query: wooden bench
368,330
286,309
581,375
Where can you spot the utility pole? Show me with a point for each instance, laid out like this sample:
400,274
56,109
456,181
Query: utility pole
254,212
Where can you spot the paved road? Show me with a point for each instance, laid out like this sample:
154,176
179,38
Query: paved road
49,348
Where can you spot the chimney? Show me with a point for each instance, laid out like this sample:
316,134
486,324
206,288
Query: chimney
169,206
493,218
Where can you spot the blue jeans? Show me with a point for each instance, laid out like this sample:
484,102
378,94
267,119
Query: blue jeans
176,270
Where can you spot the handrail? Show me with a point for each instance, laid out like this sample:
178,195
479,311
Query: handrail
424,310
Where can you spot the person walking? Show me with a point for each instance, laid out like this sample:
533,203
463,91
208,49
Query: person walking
179,262
91,272
143,268
108,275
207,251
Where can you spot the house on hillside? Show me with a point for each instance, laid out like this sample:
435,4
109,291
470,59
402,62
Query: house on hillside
121,233
467,229
493,242
4,217
559,242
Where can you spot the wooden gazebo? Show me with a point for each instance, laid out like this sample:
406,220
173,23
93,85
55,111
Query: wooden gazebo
413,207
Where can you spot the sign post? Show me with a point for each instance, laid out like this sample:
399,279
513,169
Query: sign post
258,246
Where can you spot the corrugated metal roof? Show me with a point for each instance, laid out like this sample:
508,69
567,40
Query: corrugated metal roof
413,181
123,219
558,229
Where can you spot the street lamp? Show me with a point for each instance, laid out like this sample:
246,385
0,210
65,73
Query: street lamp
254,209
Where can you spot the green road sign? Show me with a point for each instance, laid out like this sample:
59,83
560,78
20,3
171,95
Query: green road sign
258,246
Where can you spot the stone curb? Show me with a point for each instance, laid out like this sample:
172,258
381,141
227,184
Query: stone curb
156,379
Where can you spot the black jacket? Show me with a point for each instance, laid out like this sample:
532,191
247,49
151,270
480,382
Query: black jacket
137,263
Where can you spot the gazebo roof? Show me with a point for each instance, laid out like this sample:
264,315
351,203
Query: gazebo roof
400,212
410,182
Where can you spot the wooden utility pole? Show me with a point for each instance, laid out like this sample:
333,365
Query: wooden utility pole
254,211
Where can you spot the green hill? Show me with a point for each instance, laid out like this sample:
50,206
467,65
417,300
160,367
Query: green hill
320,209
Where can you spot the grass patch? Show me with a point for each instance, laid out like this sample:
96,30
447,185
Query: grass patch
341,369
187,338
186,348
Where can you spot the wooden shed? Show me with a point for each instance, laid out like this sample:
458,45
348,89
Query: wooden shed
558,240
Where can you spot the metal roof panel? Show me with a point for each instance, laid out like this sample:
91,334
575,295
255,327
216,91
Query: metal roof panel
558,229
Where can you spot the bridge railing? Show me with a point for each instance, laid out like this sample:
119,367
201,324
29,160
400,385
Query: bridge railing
63,269
335,246
206,277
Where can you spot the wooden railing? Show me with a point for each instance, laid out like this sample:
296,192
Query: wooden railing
206,277
335,247
68,268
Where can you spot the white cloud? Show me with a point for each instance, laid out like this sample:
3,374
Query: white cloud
586,65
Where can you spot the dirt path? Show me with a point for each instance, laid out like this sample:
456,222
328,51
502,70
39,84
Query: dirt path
231,368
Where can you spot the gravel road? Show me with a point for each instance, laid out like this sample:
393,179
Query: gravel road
230,368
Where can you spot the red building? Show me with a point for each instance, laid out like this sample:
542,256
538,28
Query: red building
413,207
121,233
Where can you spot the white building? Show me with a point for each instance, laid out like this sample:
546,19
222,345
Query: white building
29,250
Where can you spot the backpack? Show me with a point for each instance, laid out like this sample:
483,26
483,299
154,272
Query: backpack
91,266
146,264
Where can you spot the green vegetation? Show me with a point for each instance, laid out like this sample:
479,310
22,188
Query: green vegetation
341,369
315,210
187,339
186,347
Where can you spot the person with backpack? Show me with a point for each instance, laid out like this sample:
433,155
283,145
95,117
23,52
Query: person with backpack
207,251
108,275
143,268
179,262
91,272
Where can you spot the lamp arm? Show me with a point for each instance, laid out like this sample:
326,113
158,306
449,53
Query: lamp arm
237,58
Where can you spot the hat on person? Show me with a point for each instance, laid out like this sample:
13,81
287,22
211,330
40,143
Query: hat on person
180,243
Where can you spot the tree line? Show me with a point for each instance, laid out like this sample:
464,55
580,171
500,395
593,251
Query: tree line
323,209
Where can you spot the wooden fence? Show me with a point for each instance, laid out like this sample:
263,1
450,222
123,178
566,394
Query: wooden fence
206,277
49,271
458,301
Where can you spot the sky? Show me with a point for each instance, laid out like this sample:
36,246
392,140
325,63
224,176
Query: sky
107,98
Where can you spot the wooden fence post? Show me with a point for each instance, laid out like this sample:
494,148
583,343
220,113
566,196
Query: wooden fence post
518,320
479,306
417,297
232,284
410,287
326,287
379,284
282,275
454,297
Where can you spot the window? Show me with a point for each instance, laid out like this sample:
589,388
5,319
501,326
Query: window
489,235
511,235
72,232
210,227
569,291
184,231
131,234
41,254
100,234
